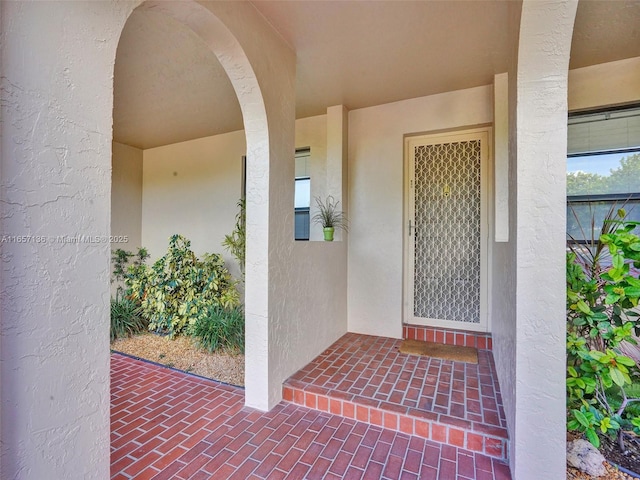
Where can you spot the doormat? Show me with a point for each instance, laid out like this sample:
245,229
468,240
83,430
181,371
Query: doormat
439,350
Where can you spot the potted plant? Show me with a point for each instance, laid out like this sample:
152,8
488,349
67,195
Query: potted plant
330,217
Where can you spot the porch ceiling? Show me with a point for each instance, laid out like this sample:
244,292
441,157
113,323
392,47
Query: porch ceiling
170,88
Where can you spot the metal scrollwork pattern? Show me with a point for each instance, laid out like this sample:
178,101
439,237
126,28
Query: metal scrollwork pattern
447,236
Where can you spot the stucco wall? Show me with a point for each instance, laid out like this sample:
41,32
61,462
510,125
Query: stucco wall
55,161
192,188
540,169
591,87
503,291
612,83
312,132
288,283
126,196
376,166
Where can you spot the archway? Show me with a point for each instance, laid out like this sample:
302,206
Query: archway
242,41
535,402
57,93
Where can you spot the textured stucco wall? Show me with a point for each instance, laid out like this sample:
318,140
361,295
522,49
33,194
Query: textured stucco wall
543,59
57,67
312,132
192,188
612,83
126,196
590,87
376,166
288,283
503,283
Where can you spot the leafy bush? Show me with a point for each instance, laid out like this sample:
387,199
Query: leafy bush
602,296
236,241
179,288
126,317
221,328
122,267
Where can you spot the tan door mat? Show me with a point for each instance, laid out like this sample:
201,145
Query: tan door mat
438,350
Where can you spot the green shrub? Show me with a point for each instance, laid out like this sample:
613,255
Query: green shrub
122,269
236,241
220,328
179,288
602,298
126,317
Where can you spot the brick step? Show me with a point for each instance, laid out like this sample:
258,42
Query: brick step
464,338
489,440
367,378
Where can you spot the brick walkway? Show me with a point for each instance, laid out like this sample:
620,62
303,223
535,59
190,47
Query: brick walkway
171,425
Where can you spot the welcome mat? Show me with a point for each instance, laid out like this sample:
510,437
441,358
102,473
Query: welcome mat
439,350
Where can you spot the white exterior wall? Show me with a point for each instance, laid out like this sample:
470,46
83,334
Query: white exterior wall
540,169
613,83
376,197
126,196
310,290
503,291
590,87
57,95
192,188
312,132
295,291
55,161
126,200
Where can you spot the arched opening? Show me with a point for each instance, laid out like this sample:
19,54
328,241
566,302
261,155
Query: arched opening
206,25
176,113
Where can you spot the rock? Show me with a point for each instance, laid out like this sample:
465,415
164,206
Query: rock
586,458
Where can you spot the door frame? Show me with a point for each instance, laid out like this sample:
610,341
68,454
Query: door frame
484,133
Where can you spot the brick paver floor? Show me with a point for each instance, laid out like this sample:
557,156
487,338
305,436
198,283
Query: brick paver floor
368,375
167,424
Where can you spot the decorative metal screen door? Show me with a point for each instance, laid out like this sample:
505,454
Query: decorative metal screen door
446,230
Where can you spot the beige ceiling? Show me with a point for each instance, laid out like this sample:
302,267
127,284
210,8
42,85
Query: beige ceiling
169,87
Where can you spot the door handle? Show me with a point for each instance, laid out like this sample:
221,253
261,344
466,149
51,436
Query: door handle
412,228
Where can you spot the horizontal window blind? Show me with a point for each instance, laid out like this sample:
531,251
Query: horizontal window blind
613,130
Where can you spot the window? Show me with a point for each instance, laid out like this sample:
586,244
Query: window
302,200
603,169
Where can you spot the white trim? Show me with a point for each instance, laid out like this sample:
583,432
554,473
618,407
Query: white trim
484,135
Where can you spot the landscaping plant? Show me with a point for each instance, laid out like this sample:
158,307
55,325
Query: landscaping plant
603,290
122,267
329,214
179,288
126,317
221,328
235,242
126,314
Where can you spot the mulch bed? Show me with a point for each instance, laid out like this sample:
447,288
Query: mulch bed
183,353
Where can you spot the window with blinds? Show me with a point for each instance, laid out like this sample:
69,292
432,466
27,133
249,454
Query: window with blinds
603,169
302,200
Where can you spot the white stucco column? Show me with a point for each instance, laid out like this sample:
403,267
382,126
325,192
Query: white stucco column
56,110
337,151
538,436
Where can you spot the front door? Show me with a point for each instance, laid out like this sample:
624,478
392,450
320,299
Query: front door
446,230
